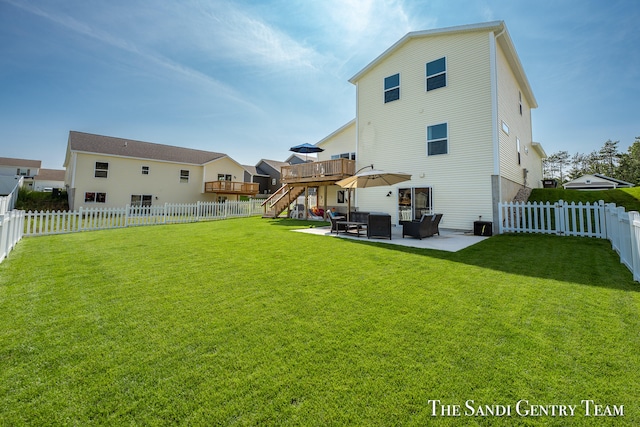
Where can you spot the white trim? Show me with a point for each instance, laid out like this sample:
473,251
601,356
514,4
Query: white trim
445,72
439,139
488,26
505,127
494,104
343,127
384,91
74,156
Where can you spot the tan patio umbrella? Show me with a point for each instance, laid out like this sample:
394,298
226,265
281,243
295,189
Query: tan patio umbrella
371,178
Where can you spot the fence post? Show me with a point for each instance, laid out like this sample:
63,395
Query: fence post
559,216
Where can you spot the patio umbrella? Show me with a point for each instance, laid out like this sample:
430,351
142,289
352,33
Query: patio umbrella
371,178
305,149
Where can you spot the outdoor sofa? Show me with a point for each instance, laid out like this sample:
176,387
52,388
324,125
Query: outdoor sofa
427,226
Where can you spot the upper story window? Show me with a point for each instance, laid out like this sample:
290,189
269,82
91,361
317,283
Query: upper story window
392,88
23,172
350,156
436,74
224,177
145,170
505,128
520,101
437,139
102,170
184,175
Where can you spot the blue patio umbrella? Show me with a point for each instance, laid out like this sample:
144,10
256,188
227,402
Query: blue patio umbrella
306,148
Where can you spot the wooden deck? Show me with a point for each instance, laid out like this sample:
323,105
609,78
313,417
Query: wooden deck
317,173
231,187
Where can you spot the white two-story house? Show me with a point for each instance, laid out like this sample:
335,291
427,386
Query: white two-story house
103,171
452,107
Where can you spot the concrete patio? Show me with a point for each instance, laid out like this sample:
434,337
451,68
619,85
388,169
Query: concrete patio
448,240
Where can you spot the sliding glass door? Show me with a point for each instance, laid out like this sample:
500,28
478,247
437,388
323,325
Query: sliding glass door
414,202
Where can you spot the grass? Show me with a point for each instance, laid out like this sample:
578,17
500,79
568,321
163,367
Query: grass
627,197
241,322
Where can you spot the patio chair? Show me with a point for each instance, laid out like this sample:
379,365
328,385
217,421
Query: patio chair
427,226
334,218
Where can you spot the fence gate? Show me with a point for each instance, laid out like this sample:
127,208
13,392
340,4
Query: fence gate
559,218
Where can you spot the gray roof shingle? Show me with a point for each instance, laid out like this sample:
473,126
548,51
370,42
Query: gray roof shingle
9,161
90,143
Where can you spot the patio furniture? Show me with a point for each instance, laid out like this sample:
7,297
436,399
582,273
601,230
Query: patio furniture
351,227
379,225
335,218
427,226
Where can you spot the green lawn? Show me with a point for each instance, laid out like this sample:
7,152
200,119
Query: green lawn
627,197
242,322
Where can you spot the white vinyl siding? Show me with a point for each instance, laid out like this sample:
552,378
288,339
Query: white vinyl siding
394,139
512,154
125,178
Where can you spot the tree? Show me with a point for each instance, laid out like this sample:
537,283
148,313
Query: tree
629,164
610,155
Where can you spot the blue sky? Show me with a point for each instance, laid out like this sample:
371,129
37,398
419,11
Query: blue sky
251,79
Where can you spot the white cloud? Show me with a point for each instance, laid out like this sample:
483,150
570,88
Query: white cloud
146,55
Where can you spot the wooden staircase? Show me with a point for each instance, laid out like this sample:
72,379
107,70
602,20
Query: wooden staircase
280,200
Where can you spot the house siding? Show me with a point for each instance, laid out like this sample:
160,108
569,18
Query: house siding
125,178
342,141
225,166
519,127
392,136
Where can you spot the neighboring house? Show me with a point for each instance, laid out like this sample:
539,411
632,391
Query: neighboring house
251,174
296,159
20,167
268,172
451,107
48,179
103,171
596,182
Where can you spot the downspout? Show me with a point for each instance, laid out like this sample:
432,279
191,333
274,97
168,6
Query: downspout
357,137
496,185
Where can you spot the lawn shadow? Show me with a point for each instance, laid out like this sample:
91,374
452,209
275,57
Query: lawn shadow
582,260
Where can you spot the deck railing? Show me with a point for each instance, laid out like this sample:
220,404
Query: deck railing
232,187
326,170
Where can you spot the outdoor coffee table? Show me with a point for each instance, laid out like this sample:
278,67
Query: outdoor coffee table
352,227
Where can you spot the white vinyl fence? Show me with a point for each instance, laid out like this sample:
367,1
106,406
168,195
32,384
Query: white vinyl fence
600,220
11,231
560,218
44,223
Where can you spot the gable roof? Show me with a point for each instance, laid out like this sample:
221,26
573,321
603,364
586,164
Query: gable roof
50,175
351,123
617,181
253,170
275,164
502,37
9,161
121,147
595,181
